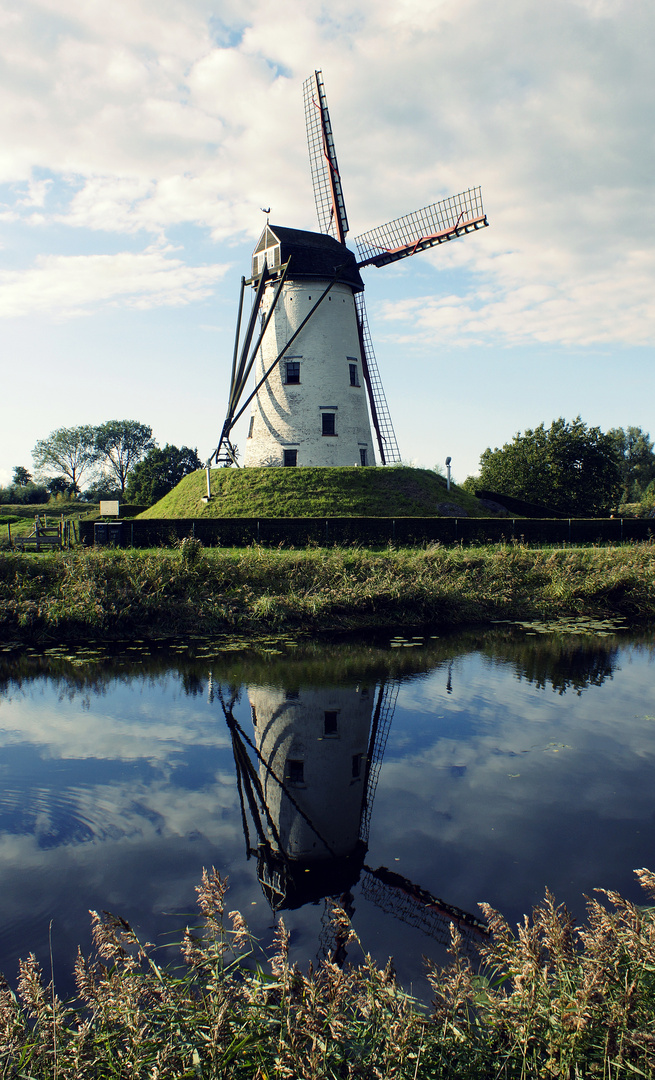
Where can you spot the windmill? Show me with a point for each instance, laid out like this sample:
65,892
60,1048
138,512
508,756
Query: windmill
308,800
307,336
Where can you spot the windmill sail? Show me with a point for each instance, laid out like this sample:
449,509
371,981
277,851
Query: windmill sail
435,224
386,436
330,205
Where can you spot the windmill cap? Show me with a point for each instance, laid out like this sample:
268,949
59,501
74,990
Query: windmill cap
313,255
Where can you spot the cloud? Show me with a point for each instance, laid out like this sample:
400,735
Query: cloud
148,117
70,285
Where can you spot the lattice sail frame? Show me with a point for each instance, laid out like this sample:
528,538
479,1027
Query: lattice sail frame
330,205
434,224
380,414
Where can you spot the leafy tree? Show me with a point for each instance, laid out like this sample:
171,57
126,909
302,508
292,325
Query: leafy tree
59,485
102,487
22,476
568,467
637,459
119,444
70,450
24,494
160,471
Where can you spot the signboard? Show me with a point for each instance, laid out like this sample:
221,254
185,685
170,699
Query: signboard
109,508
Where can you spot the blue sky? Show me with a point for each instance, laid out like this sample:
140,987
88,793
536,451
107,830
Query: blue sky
138,142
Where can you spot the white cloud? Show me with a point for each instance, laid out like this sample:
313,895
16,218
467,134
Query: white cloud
166,114
70,285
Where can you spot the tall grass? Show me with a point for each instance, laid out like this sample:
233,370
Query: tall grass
551,1001
191,589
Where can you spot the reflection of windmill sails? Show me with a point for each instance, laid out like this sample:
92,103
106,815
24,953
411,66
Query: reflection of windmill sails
315,364
306,784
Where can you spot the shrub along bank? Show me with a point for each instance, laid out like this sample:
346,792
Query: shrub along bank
553,1001
190,589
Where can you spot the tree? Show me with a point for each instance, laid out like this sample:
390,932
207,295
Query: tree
569,467
119,444
21,476
637,460
59,485
70,450
160,471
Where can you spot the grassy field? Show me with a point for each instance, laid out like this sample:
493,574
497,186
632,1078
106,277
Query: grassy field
314,492
21,517
190,589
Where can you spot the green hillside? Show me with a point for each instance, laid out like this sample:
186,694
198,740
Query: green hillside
316,492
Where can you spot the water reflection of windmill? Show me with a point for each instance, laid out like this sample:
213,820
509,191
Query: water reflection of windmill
307,782
313,356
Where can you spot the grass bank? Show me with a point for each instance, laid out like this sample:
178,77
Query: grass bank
105,593
551,1001
400,491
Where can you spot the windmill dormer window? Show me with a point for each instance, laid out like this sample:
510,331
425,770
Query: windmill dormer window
354,374
269,256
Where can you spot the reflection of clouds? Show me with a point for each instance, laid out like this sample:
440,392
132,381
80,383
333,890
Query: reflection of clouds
122,812
123,725
537,790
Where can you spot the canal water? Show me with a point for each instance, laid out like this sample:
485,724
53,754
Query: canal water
409,777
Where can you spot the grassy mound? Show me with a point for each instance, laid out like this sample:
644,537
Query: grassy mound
316,492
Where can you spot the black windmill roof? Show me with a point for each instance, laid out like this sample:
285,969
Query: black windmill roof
313,255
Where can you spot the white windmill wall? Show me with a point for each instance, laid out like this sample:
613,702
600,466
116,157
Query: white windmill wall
291,731
287,416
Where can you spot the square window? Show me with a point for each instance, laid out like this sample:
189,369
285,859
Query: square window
354,375
328,420
290,457
295,772
330,723
292,372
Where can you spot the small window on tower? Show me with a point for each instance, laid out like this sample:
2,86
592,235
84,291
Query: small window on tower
295,772
363,456
356,770
330,723
354,375
328,420
290,457
252,424
292,372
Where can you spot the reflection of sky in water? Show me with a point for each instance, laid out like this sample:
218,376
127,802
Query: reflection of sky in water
487,792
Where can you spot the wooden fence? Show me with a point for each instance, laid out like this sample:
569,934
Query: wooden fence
376,532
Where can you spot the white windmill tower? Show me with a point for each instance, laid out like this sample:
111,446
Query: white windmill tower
307,337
